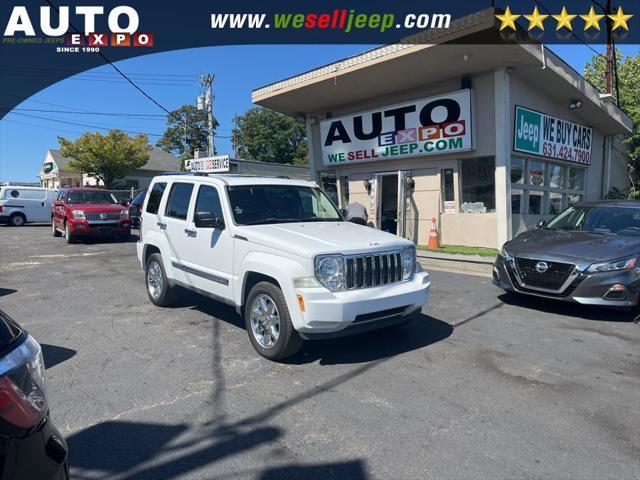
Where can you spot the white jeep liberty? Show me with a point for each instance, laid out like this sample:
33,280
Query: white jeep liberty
281,253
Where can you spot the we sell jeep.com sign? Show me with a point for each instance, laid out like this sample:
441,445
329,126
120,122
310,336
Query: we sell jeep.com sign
429,126
551,137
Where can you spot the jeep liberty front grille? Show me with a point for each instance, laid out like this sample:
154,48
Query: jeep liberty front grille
373,270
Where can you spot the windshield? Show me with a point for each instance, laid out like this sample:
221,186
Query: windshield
599,219
90,197
262,204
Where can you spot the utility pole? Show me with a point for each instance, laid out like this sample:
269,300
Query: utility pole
206,102
608,72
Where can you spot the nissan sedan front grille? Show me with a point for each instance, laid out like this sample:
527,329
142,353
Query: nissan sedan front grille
553,277
373,270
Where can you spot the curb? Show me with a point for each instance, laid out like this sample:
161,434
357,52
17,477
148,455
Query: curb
472,259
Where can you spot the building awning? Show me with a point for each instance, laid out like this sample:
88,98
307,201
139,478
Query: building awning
398,67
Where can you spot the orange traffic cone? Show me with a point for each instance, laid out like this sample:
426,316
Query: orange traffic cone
434,241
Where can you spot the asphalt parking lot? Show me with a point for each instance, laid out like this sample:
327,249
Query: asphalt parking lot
483,385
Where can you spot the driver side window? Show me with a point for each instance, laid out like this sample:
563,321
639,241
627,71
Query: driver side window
208,201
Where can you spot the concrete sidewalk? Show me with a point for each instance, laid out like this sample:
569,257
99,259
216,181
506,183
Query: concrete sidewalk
467,264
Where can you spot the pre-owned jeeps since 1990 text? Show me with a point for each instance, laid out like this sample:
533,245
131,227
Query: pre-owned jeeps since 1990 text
281,253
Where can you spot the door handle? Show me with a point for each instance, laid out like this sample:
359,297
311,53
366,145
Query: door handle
163,226
191,233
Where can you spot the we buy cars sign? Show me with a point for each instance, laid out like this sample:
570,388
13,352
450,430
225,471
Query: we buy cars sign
428,126
551,137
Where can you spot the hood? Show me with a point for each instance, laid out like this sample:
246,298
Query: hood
312,238
575,246
97,207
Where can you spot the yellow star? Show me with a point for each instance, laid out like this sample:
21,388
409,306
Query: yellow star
508,19
564,19
620,19
535,19
592,20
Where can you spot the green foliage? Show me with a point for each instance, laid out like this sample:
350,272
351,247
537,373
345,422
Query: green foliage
267,136
107,157
632,193
187,130
629,101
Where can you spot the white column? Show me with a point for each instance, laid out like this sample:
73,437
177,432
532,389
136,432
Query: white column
503,155
311,147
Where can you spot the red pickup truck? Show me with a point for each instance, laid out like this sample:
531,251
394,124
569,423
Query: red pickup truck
89,212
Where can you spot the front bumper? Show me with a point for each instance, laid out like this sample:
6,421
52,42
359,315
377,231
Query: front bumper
587,289
330,314
85,228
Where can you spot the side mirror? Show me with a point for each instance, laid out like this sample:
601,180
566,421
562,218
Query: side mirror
125,203
208,220
541,223
57,203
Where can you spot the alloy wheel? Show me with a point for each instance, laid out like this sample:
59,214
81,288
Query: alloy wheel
265,321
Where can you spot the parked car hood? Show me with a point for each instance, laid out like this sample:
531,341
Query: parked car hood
96,207
311,238
577,246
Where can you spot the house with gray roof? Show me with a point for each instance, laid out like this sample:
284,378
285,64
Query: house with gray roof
54,172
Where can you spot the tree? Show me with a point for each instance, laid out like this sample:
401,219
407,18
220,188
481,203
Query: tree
264,135
629,101
187,130
106,157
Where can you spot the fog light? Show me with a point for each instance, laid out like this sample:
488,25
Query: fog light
300,302
616,292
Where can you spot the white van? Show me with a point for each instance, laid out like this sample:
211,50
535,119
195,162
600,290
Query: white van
19,205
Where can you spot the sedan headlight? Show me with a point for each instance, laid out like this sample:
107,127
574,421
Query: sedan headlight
505,254
78,215
124,213
408,262
614,266
330,271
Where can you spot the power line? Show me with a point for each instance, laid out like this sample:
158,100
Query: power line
85,124
115,114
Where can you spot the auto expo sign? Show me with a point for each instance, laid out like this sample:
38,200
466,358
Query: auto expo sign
429,126
551,137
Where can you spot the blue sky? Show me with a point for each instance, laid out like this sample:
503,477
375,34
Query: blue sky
238,70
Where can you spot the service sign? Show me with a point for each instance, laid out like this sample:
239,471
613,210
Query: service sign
218,164
551,137
428,126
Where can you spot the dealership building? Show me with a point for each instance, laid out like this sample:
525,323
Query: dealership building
488,139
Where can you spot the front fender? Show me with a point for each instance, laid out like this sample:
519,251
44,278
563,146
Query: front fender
282,269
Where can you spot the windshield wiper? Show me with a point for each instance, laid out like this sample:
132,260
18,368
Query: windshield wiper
274,220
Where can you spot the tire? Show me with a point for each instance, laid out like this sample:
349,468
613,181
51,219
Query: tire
17,220
68,236
54,230
281,339
155,279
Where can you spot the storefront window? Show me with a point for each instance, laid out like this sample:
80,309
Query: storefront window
328,182
478,185
535,202
556,175
536,173
517,171
576,178
555,203
447,185
517,199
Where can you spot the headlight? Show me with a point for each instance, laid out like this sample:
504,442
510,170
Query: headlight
78,214
408,262
616,265
505,254
124,213
330,271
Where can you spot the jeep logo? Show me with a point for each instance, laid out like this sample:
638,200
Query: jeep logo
542,267
103,216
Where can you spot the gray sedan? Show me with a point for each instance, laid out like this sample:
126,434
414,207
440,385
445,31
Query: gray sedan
589,254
